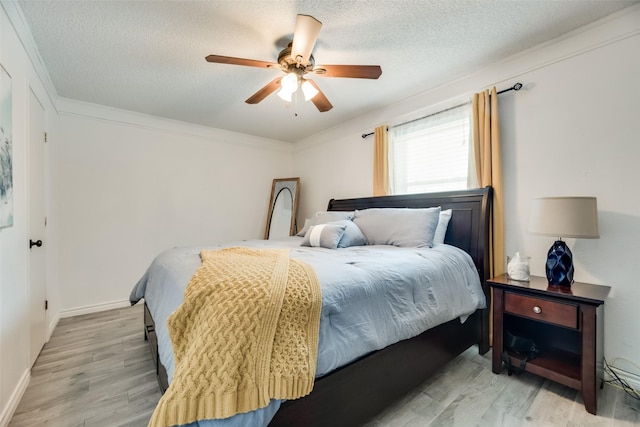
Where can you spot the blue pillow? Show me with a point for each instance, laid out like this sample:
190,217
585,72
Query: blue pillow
398,226
352,235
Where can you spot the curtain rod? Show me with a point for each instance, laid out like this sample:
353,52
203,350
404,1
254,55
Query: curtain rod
515,87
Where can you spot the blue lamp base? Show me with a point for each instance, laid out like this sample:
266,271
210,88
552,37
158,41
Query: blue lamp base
559,266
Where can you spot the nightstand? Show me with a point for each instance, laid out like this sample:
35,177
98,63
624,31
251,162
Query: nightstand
561,321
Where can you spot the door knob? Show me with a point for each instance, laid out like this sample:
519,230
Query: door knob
37,243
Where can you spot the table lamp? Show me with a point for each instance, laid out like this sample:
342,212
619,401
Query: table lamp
563,217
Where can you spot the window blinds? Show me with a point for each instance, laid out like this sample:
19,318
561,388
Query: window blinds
431,154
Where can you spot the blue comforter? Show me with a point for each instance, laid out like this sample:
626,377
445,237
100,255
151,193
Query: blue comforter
372,296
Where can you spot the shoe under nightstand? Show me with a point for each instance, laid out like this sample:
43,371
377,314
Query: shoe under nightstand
562,321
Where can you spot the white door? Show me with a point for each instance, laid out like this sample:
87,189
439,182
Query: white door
36,196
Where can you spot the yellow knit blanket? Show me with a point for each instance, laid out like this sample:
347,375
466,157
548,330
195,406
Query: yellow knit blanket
246,332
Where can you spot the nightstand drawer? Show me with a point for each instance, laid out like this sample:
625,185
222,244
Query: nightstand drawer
541,309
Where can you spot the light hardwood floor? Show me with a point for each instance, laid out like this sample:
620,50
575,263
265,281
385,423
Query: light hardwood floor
97,371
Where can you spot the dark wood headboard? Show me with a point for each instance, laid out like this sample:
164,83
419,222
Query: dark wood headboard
469,225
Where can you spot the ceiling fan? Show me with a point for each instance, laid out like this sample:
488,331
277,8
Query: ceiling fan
296,61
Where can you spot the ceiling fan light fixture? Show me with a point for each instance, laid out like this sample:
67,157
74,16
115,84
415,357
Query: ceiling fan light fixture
285,94
296,60
308,90
289,82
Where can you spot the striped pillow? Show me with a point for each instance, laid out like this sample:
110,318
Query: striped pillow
324,235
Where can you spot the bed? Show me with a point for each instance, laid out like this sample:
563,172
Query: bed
356,391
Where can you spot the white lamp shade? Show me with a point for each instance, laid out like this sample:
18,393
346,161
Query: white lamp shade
289,82
285,95
565,217
308,90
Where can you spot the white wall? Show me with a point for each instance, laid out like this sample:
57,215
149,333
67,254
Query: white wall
123,192
14,250
572,130
121,187
589,144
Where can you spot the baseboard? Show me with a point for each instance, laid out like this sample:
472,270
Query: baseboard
600,374
14,399
93,308
632,379
52,325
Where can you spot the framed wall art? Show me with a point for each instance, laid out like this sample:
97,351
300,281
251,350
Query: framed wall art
6,151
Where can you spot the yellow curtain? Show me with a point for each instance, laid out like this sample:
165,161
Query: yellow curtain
380,161
486,141
488,161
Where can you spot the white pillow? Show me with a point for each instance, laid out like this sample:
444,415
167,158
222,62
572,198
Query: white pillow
441,229
307,224
398,226
324,217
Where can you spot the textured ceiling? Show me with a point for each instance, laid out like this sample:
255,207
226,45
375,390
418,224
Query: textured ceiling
148,56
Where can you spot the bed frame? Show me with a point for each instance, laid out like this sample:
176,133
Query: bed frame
357,392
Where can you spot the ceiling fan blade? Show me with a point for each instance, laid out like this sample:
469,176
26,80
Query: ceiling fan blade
350,71
320,100
240,61
265,91
304,37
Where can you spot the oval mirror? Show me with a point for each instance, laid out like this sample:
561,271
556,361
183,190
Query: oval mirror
281,218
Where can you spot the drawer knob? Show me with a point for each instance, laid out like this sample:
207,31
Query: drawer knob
537,310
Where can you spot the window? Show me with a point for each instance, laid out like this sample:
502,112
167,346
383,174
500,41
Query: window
431,154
